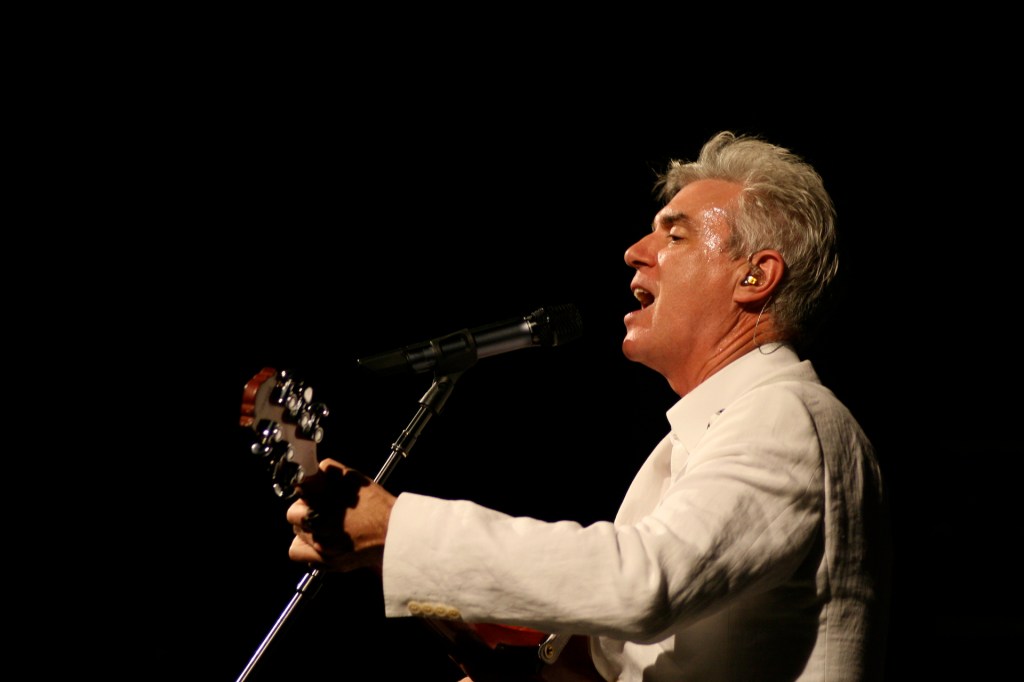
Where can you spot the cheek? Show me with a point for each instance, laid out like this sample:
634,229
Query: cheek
694,289
679,276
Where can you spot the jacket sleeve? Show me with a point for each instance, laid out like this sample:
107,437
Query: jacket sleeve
740,516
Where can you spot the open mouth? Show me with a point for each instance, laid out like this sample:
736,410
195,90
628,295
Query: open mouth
645,297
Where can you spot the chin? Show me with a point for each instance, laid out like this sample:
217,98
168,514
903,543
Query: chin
630,349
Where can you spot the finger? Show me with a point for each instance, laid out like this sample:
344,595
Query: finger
341,470
327,531
298,511
301,550
329,463
316,523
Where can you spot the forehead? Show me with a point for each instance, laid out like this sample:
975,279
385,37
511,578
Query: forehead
701,203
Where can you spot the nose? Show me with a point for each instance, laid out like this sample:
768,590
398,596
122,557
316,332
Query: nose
639,254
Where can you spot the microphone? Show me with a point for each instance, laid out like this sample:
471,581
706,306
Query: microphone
458,351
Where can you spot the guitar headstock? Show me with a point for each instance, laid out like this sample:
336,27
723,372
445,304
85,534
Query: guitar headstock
280,410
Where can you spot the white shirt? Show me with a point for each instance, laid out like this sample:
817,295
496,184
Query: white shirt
743,550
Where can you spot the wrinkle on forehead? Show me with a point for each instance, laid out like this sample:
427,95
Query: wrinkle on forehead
668,219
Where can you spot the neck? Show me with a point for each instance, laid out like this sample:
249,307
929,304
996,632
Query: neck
746,336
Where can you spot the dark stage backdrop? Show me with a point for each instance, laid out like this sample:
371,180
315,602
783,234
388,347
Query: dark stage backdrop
294,241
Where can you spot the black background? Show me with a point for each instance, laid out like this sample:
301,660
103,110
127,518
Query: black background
303,220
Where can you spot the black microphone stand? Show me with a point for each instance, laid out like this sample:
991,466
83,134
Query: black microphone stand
430,405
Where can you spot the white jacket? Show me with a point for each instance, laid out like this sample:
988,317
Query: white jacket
751,545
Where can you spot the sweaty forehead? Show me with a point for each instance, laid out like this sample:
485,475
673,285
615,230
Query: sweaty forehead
698,204
705,217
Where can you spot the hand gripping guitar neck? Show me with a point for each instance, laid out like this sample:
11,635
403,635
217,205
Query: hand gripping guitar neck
288,425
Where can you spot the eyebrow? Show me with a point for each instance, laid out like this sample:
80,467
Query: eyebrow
669,220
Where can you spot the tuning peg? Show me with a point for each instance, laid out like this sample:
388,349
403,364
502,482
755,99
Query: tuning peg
285,475
268,432
309,421
292,394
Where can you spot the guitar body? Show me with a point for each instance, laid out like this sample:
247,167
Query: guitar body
493,652
502,653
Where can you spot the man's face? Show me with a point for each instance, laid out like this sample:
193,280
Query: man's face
684,281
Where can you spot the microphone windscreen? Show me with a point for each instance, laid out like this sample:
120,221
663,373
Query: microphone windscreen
558,324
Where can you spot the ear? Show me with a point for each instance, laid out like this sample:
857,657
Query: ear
760,276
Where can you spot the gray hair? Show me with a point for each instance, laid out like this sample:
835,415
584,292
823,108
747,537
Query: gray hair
783,206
